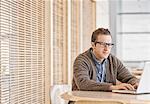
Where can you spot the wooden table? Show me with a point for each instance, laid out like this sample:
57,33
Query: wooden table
98,95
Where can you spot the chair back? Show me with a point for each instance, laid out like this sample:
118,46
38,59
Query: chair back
56,91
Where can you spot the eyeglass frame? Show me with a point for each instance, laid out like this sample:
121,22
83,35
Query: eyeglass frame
104,44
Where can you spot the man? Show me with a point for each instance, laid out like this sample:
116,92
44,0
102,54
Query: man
98,70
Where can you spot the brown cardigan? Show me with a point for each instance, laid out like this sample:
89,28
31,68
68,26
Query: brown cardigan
84,73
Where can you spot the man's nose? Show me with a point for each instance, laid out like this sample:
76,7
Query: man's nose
106,46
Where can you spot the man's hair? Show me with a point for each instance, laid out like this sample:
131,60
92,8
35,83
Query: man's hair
99,31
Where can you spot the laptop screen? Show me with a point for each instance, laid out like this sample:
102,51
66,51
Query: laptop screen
144,84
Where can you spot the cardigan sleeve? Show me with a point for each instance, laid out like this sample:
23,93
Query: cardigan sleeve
123,74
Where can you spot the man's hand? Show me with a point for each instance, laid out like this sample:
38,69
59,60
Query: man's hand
135,85
122,86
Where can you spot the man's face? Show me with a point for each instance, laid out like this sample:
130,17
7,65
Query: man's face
102,47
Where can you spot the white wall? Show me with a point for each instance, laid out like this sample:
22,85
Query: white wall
102,13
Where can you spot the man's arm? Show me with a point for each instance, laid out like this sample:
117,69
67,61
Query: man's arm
124,76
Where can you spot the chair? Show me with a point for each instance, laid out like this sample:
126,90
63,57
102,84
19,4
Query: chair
98,102
56,91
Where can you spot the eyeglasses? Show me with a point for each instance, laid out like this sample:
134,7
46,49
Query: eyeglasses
105,44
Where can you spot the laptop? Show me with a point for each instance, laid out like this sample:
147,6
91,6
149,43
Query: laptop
144,84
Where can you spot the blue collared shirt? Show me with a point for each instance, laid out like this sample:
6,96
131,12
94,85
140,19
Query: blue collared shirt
101,70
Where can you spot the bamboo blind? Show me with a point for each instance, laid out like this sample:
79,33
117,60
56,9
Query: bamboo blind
75,30
22,48
89,25
60,69
59,41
